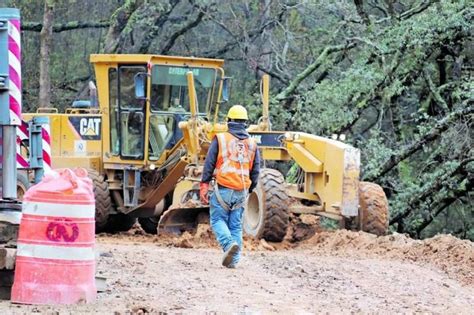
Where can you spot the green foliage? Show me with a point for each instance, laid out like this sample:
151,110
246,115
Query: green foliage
374,152
329,224
385,90
292,174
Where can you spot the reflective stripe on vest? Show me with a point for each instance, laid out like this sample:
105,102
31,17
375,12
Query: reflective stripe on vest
234,161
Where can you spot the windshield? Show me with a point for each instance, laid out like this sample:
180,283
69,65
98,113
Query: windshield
169,88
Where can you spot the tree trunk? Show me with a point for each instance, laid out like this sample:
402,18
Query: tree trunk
46,37
118,22
361,12
264,57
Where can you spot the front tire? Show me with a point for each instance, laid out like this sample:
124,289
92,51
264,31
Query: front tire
103,202
373,211
266,213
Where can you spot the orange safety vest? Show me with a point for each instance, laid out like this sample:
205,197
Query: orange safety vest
235,159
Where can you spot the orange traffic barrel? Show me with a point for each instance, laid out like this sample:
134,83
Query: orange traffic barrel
55,261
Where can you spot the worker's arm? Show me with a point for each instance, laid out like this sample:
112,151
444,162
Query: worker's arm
210,162
255,171
208,171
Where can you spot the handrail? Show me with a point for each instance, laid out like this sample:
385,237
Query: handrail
47,110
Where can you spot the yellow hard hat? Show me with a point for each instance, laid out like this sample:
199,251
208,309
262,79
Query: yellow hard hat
237,112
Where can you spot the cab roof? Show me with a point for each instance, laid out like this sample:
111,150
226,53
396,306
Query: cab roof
155,59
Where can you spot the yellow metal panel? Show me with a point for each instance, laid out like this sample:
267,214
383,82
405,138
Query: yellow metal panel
181,188
68,147
275,154
304,158
71,161
336,181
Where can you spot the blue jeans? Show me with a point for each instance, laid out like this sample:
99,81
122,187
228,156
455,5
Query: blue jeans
227,225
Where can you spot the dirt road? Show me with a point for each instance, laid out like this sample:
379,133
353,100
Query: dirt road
335,272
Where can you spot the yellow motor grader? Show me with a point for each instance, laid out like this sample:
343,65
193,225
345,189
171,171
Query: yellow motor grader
146,140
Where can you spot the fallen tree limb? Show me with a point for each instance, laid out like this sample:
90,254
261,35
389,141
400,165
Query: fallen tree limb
428,190
288,91
441,205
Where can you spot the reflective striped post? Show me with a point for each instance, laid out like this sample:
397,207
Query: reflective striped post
10,96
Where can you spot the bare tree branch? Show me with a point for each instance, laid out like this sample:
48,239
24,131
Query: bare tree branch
273,74
156,28
183,30
442,204
411,12
61,27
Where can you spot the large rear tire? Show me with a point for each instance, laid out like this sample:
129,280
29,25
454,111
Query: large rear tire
103,202
373,212
266,214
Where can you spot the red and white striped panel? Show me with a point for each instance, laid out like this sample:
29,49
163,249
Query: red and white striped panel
21,134
46,140
14,72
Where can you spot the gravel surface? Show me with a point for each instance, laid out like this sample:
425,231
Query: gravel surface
334,272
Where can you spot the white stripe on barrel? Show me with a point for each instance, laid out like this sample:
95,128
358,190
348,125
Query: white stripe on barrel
58,210
55,252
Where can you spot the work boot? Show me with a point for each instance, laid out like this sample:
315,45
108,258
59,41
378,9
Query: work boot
229,255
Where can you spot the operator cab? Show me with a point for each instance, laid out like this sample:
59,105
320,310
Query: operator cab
169,102
148,100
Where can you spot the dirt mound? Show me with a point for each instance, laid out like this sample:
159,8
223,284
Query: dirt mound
450,254
201,237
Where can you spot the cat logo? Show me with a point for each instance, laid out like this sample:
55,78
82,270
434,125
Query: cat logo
89,126
86,128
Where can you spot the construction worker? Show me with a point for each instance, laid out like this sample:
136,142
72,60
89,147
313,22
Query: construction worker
234,159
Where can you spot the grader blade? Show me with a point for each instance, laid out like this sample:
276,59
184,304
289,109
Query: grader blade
182,218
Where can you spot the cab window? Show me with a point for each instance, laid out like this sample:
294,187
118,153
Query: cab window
169,88
132,132
127,116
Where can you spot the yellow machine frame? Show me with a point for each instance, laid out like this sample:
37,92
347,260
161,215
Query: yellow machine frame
331,168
